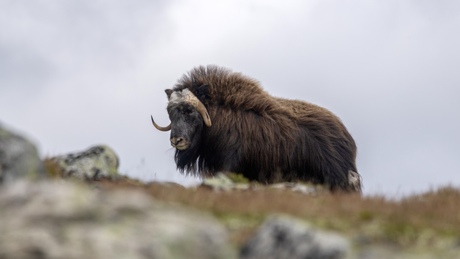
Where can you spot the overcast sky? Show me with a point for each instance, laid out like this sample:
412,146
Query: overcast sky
78,73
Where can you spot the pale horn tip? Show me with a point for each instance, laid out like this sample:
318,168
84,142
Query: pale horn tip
167,128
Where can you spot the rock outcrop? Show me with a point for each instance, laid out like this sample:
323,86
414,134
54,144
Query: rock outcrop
68,219
234,182
62,219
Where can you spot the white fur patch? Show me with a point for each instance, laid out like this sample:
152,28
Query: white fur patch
180,96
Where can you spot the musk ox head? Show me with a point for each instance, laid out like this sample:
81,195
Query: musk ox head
188,115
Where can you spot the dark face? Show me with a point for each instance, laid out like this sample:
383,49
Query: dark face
186,125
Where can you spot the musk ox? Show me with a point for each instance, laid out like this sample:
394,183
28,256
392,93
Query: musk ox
222,121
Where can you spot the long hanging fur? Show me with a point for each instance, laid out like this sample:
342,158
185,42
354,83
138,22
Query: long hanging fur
265,138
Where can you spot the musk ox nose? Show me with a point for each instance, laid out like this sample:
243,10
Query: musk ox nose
176,141
180,143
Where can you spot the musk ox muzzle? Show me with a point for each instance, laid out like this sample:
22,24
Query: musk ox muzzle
179,143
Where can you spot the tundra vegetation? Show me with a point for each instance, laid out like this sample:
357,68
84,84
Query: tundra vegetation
418,223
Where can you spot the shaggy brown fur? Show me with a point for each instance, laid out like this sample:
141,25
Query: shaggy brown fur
265,138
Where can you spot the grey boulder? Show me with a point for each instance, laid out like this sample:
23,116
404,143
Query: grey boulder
94,163
18,157
286,237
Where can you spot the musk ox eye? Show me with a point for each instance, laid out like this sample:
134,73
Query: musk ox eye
186,111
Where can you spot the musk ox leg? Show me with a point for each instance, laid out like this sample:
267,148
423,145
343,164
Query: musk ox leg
354,180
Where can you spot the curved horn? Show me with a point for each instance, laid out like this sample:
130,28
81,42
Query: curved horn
167,128
204,113
193,100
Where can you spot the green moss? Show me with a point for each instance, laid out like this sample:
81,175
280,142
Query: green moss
366,215
400,232
238,221
237,178
52,168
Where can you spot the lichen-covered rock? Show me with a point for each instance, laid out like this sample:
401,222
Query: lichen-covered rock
60,219
285,237
222,182
230,182
94,163
303,188
18,157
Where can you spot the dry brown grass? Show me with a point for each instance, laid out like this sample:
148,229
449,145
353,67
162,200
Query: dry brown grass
416,220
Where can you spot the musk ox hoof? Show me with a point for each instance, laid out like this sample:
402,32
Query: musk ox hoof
354,180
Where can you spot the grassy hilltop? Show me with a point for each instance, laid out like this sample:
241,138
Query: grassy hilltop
426,222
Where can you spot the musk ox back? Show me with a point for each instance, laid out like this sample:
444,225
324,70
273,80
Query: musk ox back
225,121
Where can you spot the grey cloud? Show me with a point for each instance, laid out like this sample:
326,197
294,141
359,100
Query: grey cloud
387,68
